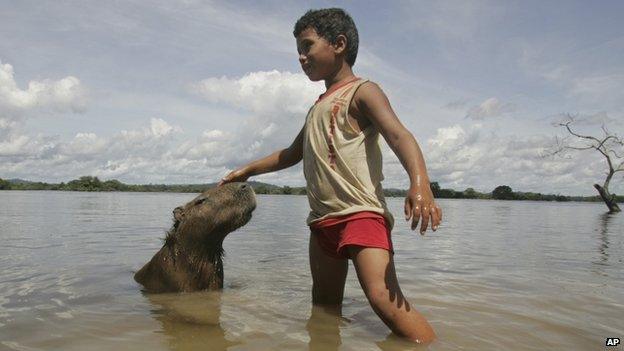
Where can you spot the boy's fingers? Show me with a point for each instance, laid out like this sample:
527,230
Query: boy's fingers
415,217
435,218
425,221
407,209
415,221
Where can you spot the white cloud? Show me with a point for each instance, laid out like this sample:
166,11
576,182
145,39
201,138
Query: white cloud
277,103
215,134
213,145
155,153
130,154
15,145
66,94
261,92
462,157
148,142
41,97
47,157
85,144
160,128
491,107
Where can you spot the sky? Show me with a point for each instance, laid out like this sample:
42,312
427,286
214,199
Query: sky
186,91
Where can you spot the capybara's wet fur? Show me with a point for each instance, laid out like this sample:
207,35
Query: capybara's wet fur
191,257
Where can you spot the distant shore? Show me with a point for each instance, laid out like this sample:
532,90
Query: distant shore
90,183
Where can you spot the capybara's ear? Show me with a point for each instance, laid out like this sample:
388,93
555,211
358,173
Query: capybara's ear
178,213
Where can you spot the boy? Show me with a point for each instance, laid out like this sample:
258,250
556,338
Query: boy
342,167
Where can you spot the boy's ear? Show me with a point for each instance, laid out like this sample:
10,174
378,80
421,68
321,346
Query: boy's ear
341,44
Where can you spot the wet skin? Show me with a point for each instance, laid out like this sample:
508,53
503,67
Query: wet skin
191,258
322,60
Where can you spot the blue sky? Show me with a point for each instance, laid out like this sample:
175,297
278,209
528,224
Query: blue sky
183,91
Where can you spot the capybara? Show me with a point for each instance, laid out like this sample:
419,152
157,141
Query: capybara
191,257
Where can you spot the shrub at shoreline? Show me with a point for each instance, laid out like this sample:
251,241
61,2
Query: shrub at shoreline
90,183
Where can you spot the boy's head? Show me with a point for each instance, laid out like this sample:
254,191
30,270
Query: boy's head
329,24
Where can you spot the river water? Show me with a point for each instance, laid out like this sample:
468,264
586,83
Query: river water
496,276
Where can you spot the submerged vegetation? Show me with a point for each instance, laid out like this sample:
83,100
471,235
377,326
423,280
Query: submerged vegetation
89,183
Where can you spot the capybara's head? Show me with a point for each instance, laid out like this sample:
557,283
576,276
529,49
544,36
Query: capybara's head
207,219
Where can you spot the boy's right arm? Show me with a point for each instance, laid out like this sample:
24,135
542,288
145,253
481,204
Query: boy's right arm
274,162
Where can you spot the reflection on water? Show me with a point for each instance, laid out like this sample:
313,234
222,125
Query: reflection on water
324,328
605,220
191,320
395,343
497,275
604,236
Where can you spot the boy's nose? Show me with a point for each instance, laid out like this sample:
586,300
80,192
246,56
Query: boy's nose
302,58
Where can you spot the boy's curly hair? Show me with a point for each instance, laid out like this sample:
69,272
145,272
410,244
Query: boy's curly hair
328,24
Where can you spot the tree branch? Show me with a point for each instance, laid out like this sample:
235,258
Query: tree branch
615,153
567,126
579,148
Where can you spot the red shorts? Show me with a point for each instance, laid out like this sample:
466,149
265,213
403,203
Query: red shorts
367,229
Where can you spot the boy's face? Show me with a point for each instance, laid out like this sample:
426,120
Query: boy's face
316,55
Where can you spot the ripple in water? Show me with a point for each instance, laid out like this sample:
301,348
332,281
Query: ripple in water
533,275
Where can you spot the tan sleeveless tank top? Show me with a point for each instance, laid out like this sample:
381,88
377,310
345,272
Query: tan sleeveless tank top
342,167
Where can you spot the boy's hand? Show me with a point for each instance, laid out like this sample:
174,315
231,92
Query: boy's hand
238,175
419,203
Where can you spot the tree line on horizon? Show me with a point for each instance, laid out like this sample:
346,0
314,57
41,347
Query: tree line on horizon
90,183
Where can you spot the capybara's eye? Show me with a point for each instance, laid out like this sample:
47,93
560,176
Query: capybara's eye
200,201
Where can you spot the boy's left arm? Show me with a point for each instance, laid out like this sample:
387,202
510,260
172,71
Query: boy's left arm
419,202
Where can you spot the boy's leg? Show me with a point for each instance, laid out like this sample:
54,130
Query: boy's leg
328,275
324,327
377,276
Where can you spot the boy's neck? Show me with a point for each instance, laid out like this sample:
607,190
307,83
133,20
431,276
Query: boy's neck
343,74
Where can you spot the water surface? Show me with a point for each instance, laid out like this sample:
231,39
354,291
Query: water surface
497,275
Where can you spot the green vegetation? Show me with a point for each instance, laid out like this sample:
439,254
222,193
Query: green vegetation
503,192
4,185
89,183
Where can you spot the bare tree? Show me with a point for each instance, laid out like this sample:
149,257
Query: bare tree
609,145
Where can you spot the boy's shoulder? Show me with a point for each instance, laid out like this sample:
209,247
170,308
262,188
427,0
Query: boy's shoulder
369,93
